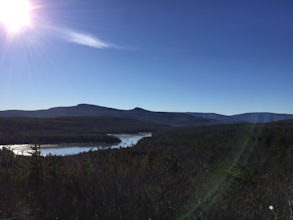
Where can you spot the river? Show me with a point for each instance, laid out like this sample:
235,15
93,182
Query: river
127,140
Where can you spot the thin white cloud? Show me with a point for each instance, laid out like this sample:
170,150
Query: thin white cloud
84,39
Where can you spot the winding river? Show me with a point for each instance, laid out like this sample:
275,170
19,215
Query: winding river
127,140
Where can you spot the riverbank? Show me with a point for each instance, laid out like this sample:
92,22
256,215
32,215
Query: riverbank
125,140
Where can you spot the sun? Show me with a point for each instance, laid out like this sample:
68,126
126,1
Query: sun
15,14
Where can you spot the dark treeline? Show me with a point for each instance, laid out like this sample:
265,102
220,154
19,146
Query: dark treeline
211,172
68,129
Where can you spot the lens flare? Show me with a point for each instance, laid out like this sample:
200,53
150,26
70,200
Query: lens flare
15,14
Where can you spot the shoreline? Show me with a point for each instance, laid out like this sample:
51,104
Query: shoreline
125,140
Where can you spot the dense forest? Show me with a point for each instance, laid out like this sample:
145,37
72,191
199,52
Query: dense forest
69,129
241,171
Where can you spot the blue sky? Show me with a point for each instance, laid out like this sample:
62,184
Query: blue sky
194,55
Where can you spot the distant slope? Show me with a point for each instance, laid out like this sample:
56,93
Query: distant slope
166,118
68,130
258,117
212,116
72,111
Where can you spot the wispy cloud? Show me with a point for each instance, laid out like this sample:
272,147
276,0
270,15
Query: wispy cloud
84,39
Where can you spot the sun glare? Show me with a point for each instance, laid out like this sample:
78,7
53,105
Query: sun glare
15,14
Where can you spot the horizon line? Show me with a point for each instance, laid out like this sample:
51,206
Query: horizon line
186,112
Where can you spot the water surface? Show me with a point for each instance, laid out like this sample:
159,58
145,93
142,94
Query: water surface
127,140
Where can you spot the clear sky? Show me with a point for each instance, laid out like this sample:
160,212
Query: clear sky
169,55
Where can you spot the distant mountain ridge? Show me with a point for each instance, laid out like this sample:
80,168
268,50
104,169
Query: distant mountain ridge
163,118
253,117
86,110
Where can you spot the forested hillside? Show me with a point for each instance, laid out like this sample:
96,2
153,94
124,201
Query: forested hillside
239,171
69,129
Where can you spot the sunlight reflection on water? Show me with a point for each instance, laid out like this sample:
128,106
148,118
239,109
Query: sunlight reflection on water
127,140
